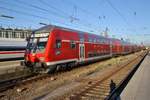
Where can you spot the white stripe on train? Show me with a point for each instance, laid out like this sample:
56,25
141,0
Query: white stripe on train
76,60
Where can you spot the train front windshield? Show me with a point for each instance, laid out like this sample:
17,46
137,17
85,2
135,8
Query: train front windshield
36,45
38,39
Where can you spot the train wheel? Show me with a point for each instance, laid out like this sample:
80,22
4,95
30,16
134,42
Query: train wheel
58,67
70,66
52,69
64,67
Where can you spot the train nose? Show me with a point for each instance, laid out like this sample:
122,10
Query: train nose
41,59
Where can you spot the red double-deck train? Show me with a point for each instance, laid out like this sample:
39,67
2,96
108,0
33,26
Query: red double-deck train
51,47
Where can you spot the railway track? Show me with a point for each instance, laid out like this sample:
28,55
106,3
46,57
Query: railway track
101,89
31,77
28,78
10,83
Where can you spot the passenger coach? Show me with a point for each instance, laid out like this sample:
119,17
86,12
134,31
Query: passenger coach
52,47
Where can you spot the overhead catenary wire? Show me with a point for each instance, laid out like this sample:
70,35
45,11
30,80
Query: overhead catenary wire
35,16
117,11
64,15
121,15
42,9
24,13
82,9
89,13
27,14
54,13
54,8
84,24
71,17
85,11
58,10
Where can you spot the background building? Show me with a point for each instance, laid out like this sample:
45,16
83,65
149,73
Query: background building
14,33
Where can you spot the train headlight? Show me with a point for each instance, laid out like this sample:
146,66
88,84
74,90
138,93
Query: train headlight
27,58
41,59
33,54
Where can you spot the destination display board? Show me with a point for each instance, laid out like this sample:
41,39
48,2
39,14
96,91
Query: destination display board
40,35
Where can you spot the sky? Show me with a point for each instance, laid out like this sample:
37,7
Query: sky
127,19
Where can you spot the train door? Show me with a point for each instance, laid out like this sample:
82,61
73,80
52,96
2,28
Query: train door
111,45
81,52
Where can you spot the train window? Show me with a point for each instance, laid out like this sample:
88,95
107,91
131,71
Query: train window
90,40
81,36
41,46
94,40
72,44
58,43
103,40
97,40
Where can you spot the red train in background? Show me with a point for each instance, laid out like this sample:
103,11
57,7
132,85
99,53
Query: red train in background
52,47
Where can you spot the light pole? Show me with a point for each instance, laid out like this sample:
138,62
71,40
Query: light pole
42,23
6,16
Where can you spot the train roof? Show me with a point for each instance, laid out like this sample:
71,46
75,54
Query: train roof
48,28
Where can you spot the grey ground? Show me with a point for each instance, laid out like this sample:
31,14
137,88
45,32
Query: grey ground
138,87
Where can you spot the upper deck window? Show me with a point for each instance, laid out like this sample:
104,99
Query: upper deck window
94,40
81,37
90,39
